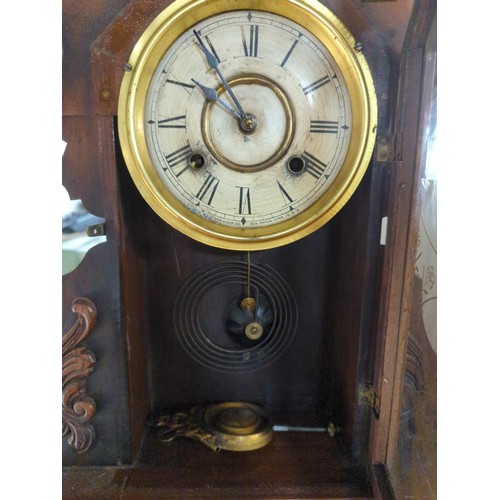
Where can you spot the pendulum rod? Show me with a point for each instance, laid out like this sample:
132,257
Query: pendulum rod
248,303
248,274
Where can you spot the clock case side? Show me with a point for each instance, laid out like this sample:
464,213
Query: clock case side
404,438
86,176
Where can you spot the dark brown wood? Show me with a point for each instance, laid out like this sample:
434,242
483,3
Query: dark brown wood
135,255
89,174
78,408
293,465
379,24
382,487
111,50
354,288
398,267
80,28
412,446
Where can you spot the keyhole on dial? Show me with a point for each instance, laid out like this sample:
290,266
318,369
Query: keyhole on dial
296,164
197,161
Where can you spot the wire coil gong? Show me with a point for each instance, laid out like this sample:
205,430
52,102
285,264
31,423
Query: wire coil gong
201,313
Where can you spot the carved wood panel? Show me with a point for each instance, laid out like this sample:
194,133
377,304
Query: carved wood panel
77,364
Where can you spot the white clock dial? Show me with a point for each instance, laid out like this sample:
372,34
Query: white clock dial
287,81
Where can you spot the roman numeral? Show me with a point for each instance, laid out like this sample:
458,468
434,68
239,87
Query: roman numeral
314,166
208,189
167,123
179,156
289,53
252,49
316,85
285,195
245,205
324,127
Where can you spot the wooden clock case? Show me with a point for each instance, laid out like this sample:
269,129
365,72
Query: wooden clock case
346,363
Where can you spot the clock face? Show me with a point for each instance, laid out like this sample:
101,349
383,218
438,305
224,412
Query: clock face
246,130
282,75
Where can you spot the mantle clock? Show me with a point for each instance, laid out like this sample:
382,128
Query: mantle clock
255,165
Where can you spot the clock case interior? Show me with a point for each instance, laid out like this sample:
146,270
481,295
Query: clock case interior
335,276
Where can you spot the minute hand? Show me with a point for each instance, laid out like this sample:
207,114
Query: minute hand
213,63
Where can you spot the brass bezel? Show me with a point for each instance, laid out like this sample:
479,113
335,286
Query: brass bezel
147,53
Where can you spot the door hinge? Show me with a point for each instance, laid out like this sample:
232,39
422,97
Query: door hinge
368,397
389,148
96,230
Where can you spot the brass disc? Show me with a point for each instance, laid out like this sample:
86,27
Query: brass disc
238,426
238,420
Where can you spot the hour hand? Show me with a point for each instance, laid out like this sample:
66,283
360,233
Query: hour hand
211,95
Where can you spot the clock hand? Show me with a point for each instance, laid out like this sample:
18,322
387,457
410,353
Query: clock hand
211,95
213,63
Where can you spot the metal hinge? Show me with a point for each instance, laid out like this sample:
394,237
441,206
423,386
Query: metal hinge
389,148
97,230
368,397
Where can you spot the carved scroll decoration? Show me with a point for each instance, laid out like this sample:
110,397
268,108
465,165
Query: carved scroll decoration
77,364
